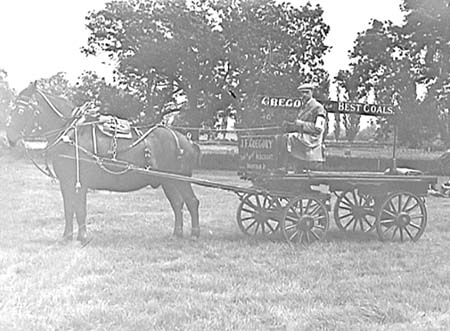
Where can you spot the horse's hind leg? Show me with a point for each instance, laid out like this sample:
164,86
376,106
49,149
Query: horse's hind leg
69,210
192,204
176,202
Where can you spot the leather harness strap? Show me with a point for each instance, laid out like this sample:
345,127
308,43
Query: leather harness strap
180,151
142,138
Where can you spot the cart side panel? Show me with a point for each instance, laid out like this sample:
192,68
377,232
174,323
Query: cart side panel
379,187
258,154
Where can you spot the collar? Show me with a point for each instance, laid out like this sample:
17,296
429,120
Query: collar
309,101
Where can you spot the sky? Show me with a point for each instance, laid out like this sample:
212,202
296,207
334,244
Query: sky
40,38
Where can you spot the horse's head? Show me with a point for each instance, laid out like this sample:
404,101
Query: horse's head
35,114
22,116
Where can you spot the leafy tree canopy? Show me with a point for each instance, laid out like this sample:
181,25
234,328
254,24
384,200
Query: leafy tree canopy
389,62
200,50
7,96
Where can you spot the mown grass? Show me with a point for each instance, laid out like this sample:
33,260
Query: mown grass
135,276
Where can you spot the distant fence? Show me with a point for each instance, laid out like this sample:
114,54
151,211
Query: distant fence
210,135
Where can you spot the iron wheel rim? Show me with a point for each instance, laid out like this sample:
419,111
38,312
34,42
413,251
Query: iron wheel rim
402,217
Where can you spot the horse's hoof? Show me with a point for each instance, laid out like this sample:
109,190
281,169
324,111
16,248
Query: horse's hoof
65,241
178,232
67,237
82,237
195,233
86,241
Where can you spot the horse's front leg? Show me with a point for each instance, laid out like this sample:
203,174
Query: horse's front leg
69,209
81,212
176,202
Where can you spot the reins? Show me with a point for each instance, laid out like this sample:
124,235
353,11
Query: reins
60,133
47,170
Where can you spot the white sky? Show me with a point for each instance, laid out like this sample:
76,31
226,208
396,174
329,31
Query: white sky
39,38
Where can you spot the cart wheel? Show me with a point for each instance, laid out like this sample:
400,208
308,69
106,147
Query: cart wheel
354,211
259,215
402,216
305,220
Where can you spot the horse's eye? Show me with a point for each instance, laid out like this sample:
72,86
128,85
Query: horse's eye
36,113
20,111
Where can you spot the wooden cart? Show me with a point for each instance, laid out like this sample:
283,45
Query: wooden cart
298,205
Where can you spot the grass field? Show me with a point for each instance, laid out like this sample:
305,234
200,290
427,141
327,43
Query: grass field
135,276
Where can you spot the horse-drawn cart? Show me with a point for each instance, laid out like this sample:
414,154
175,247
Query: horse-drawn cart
296,205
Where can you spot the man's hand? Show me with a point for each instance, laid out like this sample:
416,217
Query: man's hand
289,126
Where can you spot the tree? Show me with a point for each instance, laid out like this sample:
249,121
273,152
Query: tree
348,86
57,85
392,61
7,96
271,48
201,50
428,34
164,49
385,71
109,98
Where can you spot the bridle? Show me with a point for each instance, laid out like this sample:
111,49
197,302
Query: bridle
24,104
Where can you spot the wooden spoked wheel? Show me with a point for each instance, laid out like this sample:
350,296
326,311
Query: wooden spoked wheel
402,217
259,215
354,211
305,220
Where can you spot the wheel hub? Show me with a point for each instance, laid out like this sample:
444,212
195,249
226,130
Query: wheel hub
402,219
261,216
305,223
358,212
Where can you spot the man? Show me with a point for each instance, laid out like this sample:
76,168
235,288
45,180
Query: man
306,133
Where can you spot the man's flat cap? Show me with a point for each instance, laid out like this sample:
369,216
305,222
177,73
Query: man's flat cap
306,87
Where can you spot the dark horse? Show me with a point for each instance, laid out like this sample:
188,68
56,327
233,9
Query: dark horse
76,146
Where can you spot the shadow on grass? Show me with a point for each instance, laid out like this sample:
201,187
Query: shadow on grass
333,235
341,236
142,240
150,240
48,241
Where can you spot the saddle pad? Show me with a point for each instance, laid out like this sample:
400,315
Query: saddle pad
111,125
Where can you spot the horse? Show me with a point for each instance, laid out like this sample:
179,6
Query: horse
76,148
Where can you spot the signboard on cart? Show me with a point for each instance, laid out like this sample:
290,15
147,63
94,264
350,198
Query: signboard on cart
257,153
343,107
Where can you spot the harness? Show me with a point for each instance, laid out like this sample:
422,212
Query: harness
115,136
110,126
117,128
40,143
